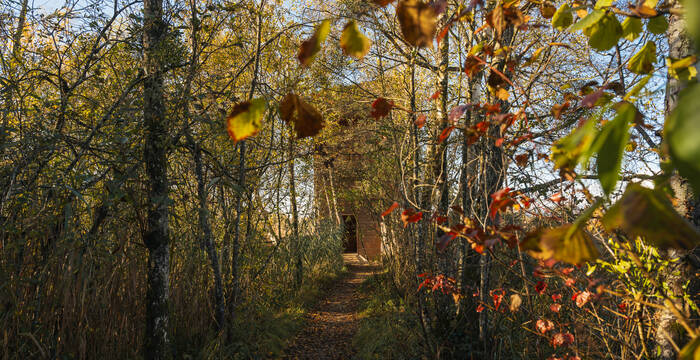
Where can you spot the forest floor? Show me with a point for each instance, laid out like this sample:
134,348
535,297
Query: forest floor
331,325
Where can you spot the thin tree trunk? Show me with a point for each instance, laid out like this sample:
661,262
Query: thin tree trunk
298,271
207,239
157,237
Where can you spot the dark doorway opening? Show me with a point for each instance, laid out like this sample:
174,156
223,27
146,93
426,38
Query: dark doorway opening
350,234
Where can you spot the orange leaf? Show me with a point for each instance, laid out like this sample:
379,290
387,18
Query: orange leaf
390,209
445,133
420,121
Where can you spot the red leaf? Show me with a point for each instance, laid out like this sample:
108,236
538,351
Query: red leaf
410,216
557,198
556,297
381,107
480,308
390,209
499,142
540,287
497,296
555,307
521,160
501,200
445,133
435,95
562,339
569,282
622,307
544,325
420,121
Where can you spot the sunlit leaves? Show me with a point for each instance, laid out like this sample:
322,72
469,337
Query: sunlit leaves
643,61
381,107
588,21
681,133
631,28
420,121
310,47
563,17
560,244
602,4
418,22
307,121
649,214
353,42
245,119
682,69
610,144
657,25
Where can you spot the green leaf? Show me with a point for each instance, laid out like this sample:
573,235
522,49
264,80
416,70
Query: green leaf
310,47
657,25
691,351
605,33
691,14
574,148
245,119
557,244
631,28
610,145
590,19
637,88
649,214
643,61
353,42
601,4
681,133
562,17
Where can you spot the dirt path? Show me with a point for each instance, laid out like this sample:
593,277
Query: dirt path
331,325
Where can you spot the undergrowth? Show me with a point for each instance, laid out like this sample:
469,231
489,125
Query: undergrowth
387,330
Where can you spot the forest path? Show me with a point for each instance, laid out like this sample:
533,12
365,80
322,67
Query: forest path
331,325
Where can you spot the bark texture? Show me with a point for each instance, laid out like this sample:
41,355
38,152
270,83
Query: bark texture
156,237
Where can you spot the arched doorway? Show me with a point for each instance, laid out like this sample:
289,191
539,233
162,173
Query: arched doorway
350,234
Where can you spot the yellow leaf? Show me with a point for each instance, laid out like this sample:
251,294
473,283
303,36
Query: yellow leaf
245,119
418,22
310,47
353,42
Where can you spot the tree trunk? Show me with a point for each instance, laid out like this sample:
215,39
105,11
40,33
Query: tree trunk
156,237
207,238
679,45
298,270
